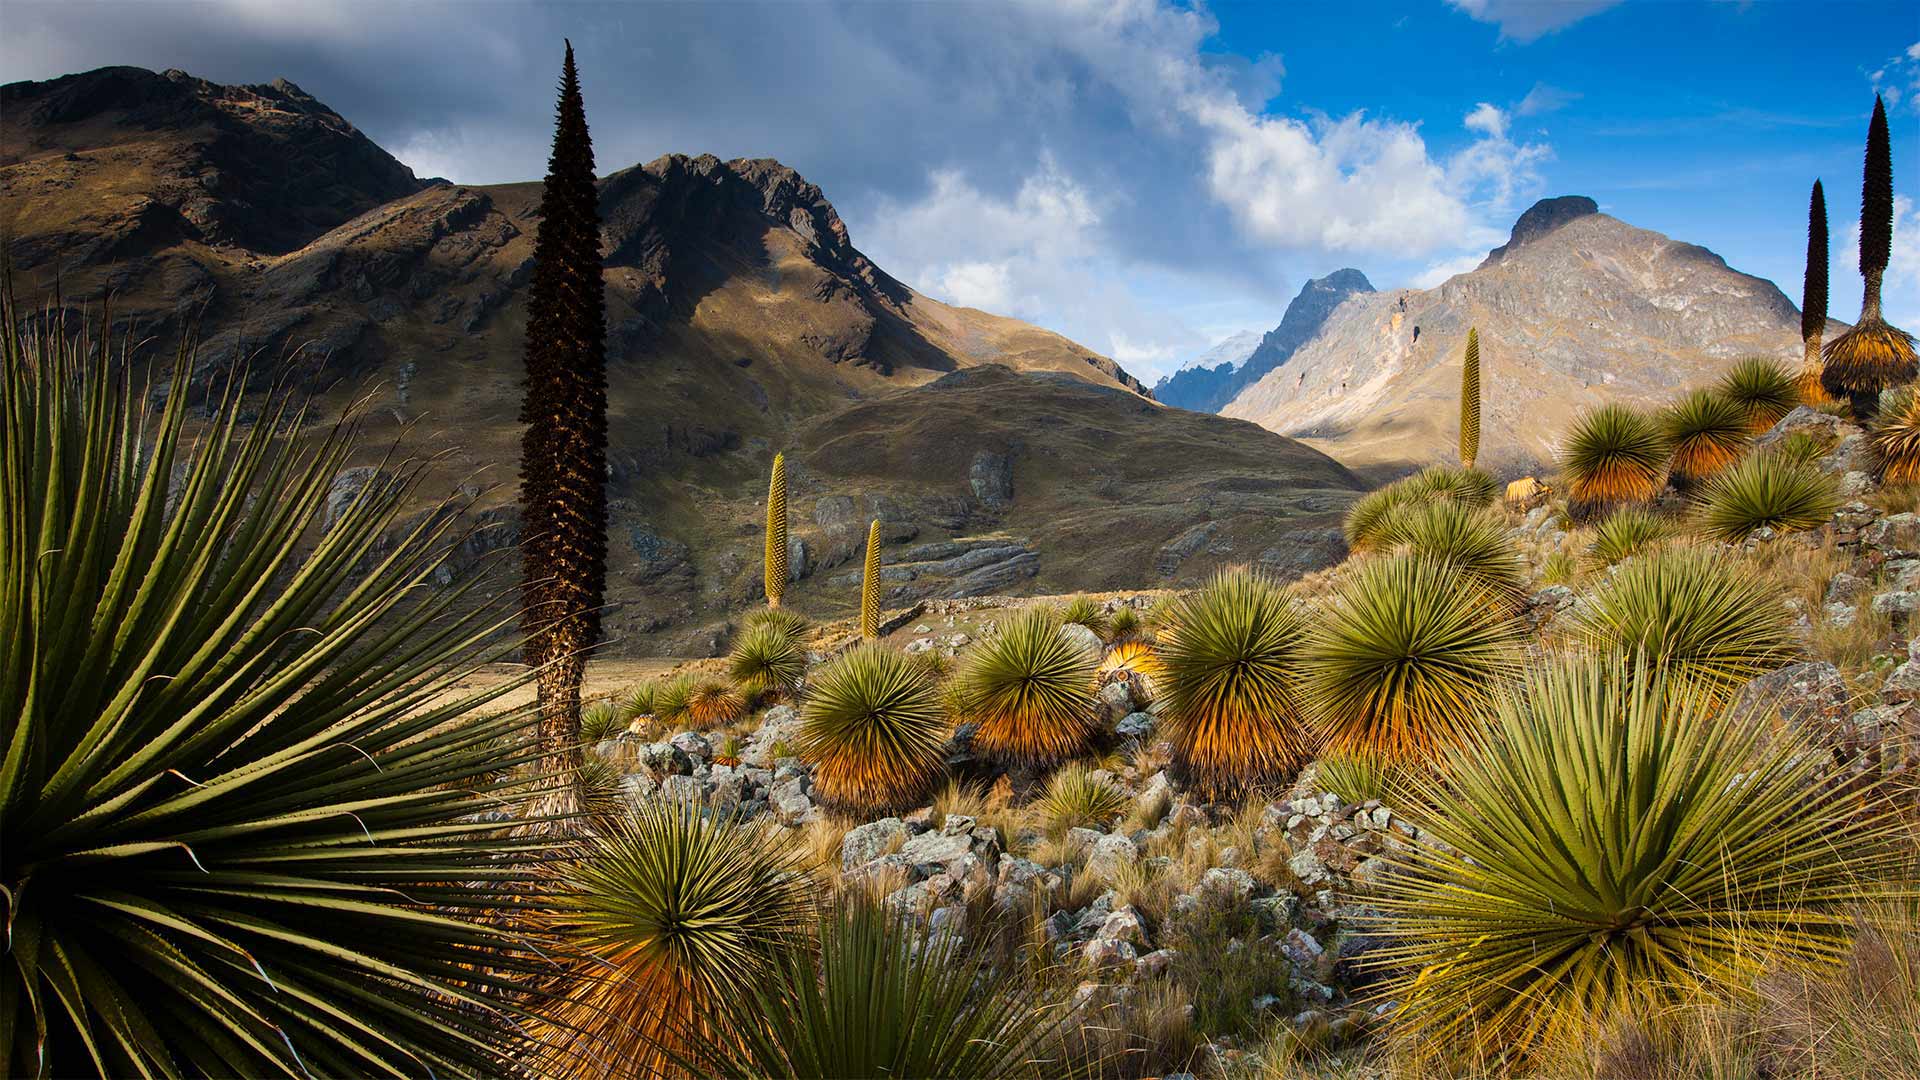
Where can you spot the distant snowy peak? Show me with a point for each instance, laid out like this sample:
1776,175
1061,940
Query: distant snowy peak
1233,351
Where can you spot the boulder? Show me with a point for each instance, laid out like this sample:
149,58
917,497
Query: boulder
865,844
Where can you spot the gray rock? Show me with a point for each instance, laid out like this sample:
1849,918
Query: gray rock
937,850
1107,952
666,759
1227,881
1123,924
1307,867
693,744
679,788
1086,639
1184,546
864,844
1843,587
1109,853
1898,605
990,477
1137,725
1154,964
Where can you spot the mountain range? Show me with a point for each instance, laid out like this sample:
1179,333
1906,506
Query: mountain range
1576,309
1209,388
742,320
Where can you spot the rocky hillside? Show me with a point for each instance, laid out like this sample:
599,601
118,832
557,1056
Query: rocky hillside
1208,388
1576,309
741,319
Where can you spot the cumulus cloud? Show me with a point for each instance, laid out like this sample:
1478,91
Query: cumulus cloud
1442,269
1898,80
1530,20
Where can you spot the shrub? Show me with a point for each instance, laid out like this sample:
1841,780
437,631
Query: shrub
673,701
1134,656
598,721
1464,485
663,915
1405,660
1613,455
637,702
1029,688
1894,441
1125,625
1691,609
1230,684
1077,798
1763,389
1370,513
1558,568
786,620
1706,432
1873,355
1472,543
776,570
766,659
1615,843
1625,533
713,703
239,773
1764,491
874,1002
1087,612
873,729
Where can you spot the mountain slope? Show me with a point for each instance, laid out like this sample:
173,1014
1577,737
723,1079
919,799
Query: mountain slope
1210,388
1576,309
740,317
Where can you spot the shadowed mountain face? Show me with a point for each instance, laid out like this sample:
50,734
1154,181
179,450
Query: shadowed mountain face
740,315
1578,308
1209,389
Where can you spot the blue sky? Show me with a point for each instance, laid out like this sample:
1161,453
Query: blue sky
1144,177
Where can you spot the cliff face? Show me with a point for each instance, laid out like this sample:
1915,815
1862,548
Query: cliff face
1576,309
1209,389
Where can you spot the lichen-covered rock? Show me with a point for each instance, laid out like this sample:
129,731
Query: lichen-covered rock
865,844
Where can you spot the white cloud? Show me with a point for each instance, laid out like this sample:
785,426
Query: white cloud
1545,98
1529,20
1442,269
1898,80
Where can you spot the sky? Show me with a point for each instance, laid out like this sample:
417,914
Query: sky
1147,178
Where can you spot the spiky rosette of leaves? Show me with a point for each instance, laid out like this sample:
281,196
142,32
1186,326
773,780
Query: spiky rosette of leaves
1706,432
1465,485
1088,612
878,1001
1614,842
1405,660
1627,532
1131,655
1613,455
714,703
786,620
874,730
238,806
1029,688
870,585
599,721
1230,688
1126,625
1470,401
1709,620
664,913
766,659
776,570
1761,388
637,702
1371,512
1767,491
1894,441
673,700
1472,543
1076,798
1360,778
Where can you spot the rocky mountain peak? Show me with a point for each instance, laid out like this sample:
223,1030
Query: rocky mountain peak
1208,389
267,168
1540,219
